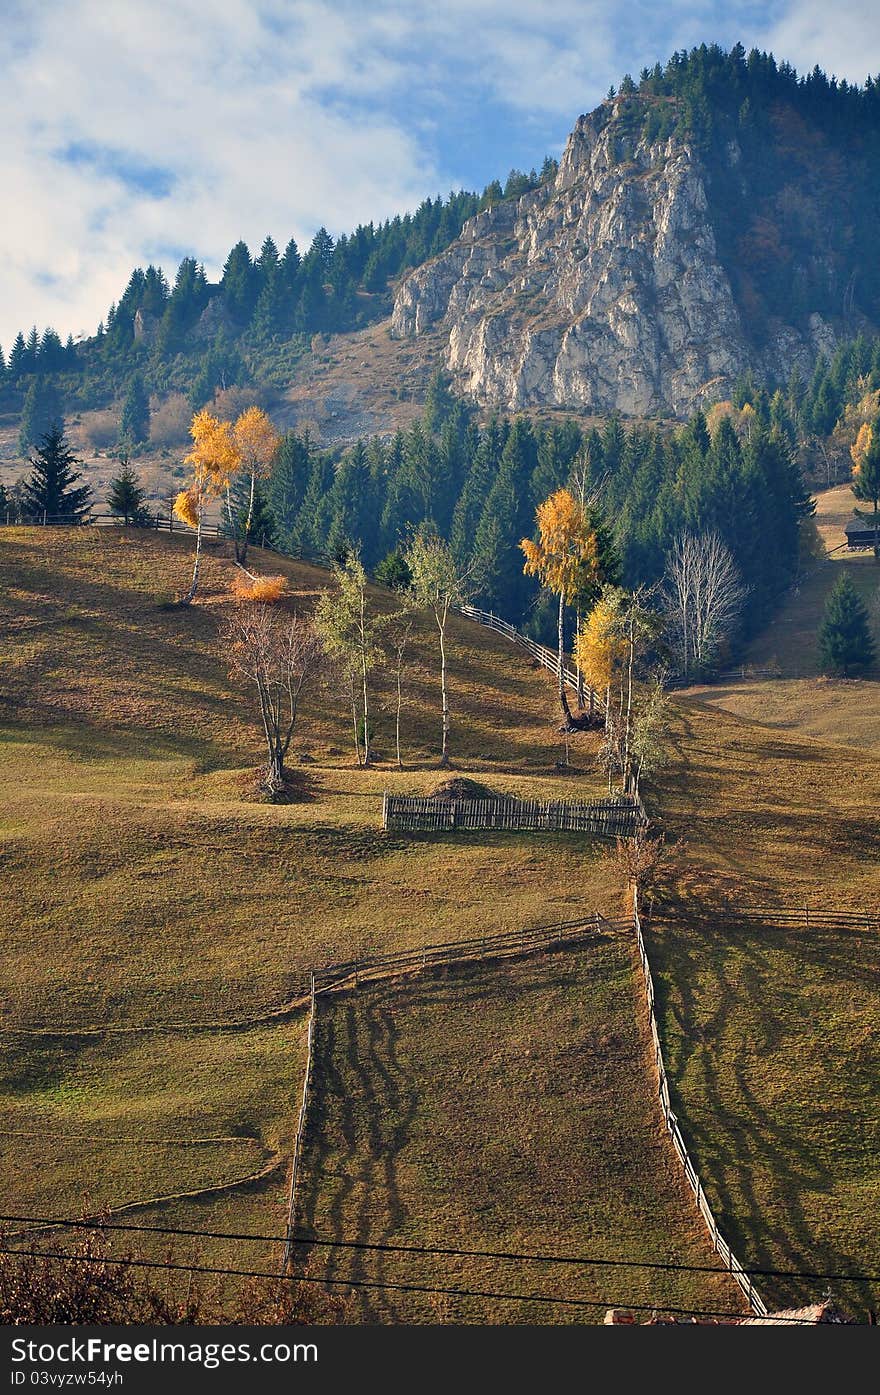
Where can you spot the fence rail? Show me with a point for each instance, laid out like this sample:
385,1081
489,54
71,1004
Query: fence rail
353,972
548,658
618,816
722,1247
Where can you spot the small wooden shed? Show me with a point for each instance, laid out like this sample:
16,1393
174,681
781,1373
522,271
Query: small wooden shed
859,532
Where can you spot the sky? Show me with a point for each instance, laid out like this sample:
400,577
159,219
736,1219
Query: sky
148,130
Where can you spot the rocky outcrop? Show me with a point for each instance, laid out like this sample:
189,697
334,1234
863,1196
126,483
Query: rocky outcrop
602,291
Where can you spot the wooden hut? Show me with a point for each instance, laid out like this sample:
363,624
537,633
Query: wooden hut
859,532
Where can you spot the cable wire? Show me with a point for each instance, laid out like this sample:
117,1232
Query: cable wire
383,1284
450,1251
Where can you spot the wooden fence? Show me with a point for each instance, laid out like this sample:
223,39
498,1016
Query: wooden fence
548,658
354,972
619,816
722,1248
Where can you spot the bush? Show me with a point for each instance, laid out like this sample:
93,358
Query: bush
259,588
170,420
393,571
101,429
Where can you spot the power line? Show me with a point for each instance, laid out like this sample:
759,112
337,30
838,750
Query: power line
382,1284
451,1251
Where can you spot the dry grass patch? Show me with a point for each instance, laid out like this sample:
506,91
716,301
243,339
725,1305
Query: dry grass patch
153,908
772,1036
505,1106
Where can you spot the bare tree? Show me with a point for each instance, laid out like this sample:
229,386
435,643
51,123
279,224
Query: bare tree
398,629
438,586
278,654
704,597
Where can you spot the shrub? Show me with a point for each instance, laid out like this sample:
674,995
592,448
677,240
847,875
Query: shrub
258,588
170,420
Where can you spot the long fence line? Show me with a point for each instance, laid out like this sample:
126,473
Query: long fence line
352,973
548,658
722,1247
616,817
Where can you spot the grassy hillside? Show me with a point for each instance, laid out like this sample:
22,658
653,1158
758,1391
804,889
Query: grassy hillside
780,682
772,1035
501,1107
158,919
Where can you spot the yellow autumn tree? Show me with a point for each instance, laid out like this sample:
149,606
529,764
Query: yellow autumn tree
865,453
566,559
601,645
256,442
620,629
214,459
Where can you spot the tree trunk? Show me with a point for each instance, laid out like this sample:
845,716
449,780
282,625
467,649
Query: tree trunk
354,721
629,693
397,720
444,754
274,781
187,599
563,699
876,534
364,680
580,676
247,524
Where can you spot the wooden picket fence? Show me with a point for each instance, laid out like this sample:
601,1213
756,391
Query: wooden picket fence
547,658
617,817
354,972
721,1245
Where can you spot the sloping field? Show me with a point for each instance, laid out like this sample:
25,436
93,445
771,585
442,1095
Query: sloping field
506,1106
772,1035
158,920
780,683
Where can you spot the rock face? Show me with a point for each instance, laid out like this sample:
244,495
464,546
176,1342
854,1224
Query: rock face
601,291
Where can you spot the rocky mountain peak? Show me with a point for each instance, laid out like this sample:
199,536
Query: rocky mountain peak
600,291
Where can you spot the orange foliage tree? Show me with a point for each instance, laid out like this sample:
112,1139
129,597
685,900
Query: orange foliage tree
866,473
214,460
256,442
567,559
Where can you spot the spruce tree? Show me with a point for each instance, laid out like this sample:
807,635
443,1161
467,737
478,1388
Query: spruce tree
134,426
845,643
52,492
866,481
264,527
42,408
125,495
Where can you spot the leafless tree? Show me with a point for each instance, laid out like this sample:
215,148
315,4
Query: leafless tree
278,654
437,586
704,597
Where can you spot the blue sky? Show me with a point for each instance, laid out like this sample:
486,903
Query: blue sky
147,129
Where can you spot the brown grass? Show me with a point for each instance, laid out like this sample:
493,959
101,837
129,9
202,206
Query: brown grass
502,1107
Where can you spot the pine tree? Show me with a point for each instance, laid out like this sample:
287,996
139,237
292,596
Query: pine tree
239,284
17,357
866,474
52,493
42,408
125,495
134,426
263,526
845,642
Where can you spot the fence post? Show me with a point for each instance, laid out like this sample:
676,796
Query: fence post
385,809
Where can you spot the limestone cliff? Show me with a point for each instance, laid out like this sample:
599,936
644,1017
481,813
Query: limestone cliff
601,291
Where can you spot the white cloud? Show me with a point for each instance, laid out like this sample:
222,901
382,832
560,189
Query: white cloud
275,115
843,39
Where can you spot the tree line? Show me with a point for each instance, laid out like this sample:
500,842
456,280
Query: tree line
271,298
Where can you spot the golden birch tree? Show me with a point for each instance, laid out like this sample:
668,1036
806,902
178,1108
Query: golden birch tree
214,460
